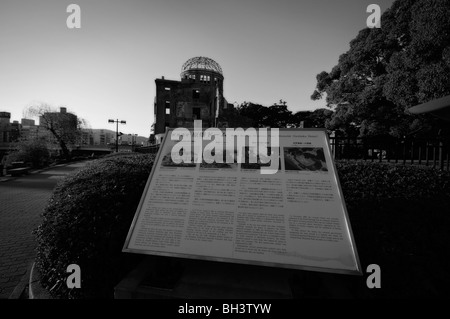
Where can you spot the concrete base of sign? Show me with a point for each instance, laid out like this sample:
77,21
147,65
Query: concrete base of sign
167,278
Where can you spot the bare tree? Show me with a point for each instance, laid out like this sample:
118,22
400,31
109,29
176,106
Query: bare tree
64,127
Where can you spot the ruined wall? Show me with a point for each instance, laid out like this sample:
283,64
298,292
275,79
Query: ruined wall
187,100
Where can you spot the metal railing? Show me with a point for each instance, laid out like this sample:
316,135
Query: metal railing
153,149
426,152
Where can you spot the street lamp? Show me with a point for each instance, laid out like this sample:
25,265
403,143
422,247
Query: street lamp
117,131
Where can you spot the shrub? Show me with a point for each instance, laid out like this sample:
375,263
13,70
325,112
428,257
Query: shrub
376,181
400,220
399,216
119,154
86,222
32,151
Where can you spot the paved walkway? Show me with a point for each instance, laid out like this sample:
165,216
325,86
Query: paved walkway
22,200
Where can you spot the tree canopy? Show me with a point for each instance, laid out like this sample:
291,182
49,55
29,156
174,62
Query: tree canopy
390,69
277,115
319,118
64,127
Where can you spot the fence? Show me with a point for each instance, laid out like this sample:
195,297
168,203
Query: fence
433,153
153,149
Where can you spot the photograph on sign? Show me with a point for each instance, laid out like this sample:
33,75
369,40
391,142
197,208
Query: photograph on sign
231,210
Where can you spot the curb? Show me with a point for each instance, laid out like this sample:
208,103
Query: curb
20,291
35,290
8,177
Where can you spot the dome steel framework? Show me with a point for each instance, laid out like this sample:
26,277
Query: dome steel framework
202,63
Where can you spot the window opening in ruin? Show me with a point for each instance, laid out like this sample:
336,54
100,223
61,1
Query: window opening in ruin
205,78
167,107
196,113
195,94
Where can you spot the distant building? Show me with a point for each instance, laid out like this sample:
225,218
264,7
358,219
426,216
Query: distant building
11,132
132,139
5,127
30,131
5,133
103,137
63,119
16,129
27,122
86,137
99,137
63,122
198,96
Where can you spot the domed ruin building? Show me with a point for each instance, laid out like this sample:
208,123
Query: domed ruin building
198,96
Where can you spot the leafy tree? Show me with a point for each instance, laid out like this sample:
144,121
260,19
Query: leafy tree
63,127
252,114
151,139
388,70
278,115
319,118
256,115
238,117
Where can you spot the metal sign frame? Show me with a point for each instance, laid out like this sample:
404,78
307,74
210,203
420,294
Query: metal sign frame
355,270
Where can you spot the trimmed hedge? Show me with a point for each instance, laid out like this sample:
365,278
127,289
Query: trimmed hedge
86,222
399,216
371,181
400,220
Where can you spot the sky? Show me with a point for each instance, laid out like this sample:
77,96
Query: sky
268,50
